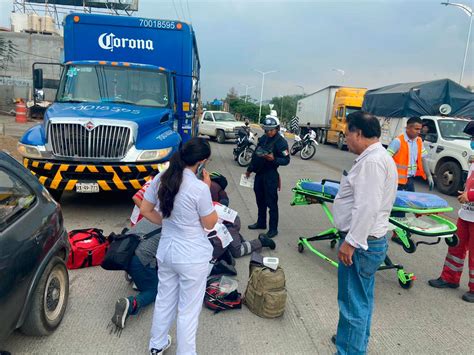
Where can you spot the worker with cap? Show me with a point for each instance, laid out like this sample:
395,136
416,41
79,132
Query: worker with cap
271,152
454,262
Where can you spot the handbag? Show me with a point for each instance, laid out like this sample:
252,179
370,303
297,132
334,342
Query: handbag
122,248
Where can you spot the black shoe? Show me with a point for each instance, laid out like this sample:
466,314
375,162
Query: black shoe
121,312
267,242
333,339
440,283
257,226
468,296
269,234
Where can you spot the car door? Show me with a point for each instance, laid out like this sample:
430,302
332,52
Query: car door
430,140
22,236
207,124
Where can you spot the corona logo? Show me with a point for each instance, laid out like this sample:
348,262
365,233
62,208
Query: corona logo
109,41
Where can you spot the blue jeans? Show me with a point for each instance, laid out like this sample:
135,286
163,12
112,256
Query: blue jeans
356,297
146,279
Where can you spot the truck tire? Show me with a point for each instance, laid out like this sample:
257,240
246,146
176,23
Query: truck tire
340,142
449,178
324,137
220,136
49,300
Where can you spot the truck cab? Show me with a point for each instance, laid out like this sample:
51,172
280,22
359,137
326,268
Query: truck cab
346,101
127,98
449,151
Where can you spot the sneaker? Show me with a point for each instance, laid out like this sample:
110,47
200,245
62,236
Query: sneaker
468,296
440,283
154,351
121,312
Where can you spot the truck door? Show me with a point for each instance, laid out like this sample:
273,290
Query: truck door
430,140
207,123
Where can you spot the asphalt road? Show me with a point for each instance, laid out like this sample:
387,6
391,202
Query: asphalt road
420,320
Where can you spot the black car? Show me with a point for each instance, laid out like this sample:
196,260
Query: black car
34,282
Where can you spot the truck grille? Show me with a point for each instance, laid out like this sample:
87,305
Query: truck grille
75,141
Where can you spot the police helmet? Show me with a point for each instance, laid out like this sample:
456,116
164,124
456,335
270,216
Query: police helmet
469,129
270,122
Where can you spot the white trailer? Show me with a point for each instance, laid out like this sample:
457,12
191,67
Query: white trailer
317,108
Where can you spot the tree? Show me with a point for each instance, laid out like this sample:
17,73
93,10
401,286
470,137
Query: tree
285,106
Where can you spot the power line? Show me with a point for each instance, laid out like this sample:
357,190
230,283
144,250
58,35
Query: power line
182,9
174,5
189,12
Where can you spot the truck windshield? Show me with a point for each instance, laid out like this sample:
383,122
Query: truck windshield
99,83
350,110
224,117
453,129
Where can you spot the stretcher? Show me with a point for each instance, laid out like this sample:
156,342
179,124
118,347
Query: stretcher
423,219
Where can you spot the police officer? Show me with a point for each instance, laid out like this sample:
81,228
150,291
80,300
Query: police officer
271,152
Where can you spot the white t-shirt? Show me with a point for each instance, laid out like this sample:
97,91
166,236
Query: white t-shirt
182,233
466,212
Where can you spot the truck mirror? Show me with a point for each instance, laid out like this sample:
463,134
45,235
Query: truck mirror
38,79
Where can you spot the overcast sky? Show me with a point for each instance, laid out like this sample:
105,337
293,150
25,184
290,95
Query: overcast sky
375,42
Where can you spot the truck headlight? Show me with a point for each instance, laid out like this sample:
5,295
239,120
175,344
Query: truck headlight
28,151
156,154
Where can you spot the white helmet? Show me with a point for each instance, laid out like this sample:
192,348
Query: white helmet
270,122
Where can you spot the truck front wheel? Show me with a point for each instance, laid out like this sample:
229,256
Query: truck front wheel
220,137
449,178
340,142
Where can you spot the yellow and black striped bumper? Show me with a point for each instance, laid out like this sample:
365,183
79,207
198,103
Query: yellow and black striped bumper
64,176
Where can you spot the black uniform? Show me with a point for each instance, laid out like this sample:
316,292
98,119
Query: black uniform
267,178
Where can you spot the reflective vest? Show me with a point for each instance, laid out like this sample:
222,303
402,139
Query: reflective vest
402,160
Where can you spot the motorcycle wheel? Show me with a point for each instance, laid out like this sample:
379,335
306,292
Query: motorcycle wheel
245,157
308,152
294,148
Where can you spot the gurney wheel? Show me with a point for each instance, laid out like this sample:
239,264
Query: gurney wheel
405,285
412,247
453,241
300,247
333,243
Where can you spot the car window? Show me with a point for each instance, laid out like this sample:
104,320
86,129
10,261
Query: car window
207,116
16,197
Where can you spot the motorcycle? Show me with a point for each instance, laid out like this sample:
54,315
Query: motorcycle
245,147
306,145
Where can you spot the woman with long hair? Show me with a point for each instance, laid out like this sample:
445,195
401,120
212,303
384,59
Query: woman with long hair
181,202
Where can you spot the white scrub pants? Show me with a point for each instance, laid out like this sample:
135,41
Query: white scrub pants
181,287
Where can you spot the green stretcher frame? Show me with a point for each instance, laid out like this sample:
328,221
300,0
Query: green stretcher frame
302,197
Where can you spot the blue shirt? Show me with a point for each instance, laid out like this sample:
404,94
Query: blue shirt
394,147
182,233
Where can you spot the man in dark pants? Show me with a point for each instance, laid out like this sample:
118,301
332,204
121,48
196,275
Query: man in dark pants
271,152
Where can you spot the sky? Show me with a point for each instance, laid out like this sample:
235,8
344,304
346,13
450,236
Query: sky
313,44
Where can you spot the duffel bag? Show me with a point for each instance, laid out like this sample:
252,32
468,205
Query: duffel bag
88,248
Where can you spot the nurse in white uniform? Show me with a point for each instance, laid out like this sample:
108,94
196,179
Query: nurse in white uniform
182,203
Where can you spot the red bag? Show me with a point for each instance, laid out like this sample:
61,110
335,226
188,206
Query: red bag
88,248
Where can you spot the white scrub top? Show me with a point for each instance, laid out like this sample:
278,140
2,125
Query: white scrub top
182,233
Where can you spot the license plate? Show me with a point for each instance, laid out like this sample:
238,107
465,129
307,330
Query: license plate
87,187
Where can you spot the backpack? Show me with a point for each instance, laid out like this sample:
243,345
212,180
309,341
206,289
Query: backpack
88,248
218,296
266,293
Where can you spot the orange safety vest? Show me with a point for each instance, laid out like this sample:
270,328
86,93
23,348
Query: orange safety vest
402,160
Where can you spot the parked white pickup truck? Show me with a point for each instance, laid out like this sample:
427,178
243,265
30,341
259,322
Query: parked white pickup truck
219,125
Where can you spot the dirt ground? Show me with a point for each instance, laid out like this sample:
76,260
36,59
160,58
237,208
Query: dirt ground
8,144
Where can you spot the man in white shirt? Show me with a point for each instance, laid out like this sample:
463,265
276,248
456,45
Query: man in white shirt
361,211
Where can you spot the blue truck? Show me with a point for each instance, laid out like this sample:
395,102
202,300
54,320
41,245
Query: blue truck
128,97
